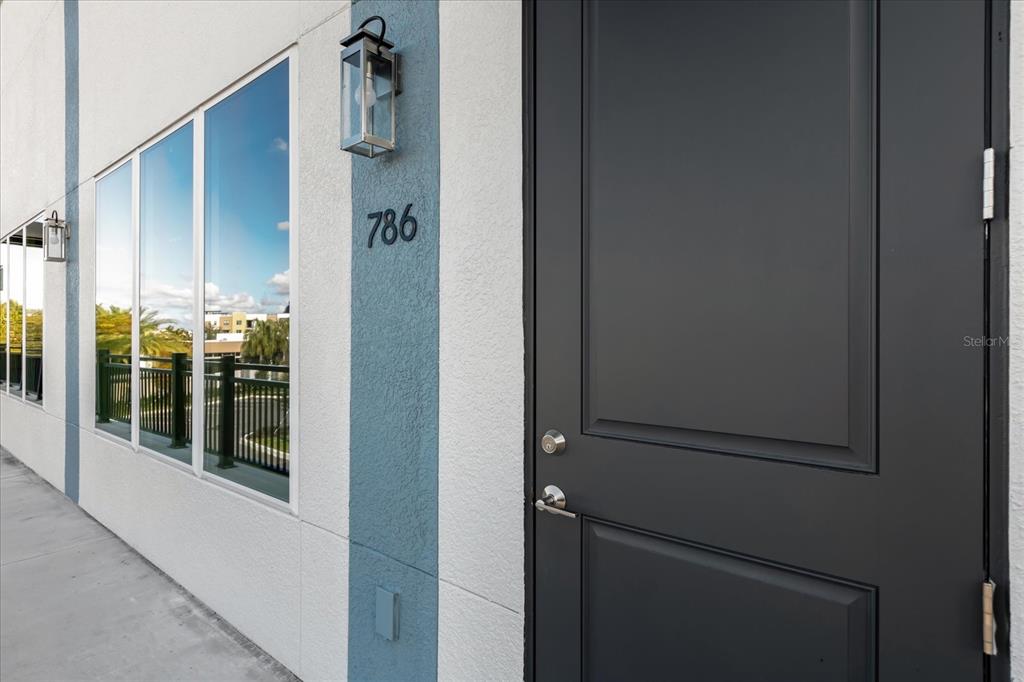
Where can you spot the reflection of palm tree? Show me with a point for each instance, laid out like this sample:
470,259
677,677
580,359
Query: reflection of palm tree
157,336
33,327
33,332
266,342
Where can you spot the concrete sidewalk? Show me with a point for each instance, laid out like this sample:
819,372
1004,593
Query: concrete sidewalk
77,603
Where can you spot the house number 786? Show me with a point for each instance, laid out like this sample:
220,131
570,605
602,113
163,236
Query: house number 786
389,230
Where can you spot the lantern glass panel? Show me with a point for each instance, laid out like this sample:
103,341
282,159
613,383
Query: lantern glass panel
380,98
55,241
367,99
351,97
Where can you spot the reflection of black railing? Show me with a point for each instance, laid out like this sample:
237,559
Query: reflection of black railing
15,367
247,416
246,411
113,387
34,376
165,392
33,371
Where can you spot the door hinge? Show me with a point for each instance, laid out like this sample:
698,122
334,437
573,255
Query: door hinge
988,618
988,185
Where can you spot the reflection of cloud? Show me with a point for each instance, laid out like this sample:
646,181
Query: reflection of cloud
279,144
272,305
114,275
279,283
239,302
283,225
171,302
167,293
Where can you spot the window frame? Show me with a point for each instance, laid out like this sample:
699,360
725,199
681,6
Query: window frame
22,394
110,169
197,117
5,273
137,293
4,296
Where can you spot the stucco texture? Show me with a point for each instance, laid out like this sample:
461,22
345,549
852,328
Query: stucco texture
393,469
278,575
31,110
481,403
434,344
1016,524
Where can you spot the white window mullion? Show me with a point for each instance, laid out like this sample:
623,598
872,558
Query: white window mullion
136,339
293,280
10,332
5,266
199,297
24,313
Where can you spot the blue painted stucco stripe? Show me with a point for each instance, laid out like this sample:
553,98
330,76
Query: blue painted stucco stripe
72,213
394,382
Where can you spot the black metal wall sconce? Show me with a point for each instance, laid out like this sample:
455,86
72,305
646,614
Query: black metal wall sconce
369,87
56,234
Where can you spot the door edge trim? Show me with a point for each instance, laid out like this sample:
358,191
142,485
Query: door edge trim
997,479
529,10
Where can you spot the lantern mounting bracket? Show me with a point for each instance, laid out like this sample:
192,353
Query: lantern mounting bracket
362,32
383,43
56,219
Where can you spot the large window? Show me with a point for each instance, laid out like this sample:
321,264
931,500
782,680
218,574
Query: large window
114,301
166,296
21,312
247,284
15,301
214,191
15,310
5,286
33,311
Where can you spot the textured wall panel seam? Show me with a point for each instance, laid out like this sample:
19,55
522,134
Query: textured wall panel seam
72,213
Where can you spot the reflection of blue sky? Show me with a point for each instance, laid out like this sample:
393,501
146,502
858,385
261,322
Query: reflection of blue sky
166,228
114,238
34,277
246,202
5,285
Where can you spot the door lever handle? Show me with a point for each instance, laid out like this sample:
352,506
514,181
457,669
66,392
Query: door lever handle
553,502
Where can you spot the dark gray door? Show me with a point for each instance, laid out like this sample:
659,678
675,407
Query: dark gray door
759,250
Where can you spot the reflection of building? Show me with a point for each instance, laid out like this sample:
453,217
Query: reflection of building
222,347
229,329
226,325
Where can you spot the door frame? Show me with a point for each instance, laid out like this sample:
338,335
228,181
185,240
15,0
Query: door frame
995,534
997,322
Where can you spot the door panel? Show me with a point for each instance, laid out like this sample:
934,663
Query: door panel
641,591
758,251
729,292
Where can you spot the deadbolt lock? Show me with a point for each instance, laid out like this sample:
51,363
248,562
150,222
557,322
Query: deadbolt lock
552,442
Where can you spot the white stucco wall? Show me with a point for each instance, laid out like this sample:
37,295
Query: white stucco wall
481,410
279,576
35,109
32,132
1016,524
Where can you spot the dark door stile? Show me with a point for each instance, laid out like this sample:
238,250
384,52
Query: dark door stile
802,496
